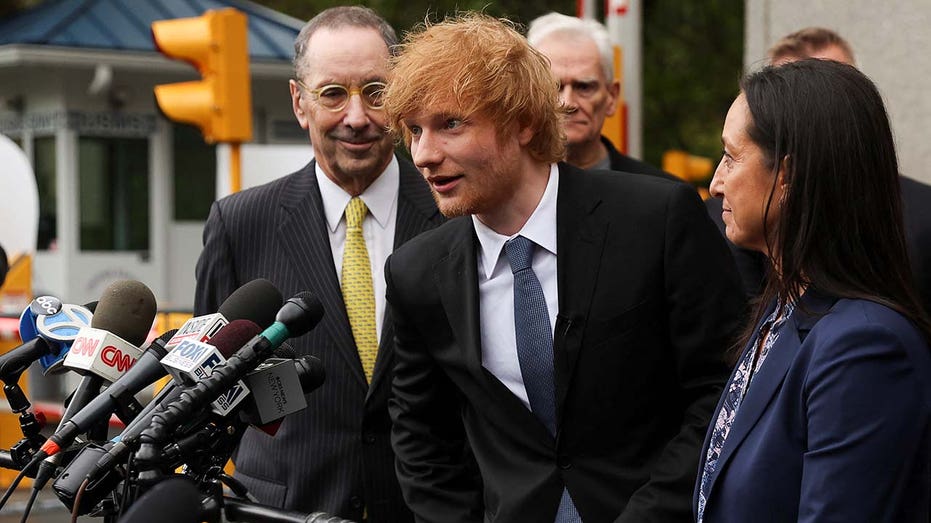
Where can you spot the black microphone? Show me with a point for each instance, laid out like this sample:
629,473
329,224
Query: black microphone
145,371
103,352
175,499
14,362
96,463
297,316
227,341
257,300
278,387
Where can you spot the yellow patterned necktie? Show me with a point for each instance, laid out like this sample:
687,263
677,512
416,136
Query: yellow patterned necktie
358,291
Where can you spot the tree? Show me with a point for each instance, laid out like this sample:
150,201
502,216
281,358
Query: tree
692,61
405,14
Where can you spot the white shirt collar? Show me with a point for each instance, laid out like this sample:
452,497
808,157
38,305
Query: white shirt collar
380,197
540,228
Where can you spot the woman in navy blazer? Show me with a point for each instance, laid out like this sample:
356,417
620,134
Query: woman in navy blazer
827,415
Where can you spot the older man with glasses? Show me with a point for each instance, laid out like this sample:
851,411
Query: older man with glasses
581,56
328,228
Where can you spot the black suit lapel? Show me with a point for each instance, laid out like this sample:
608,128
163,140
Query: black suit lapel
417,213
580,239
457,280
302,235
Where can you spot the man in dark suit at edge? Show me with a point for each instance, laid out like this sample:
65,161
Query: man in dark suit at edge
302,233
565,333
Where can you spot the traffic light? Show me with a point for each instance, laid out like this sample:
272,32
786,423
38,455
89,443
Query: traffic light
615,125
686,166
693,169
216,44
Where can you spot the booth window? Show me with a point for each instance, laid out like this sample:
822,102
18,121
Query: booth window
113,181
195,174
44,167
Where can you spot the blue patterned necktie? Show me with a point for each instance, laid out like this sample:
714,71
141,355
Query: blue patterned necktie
535,348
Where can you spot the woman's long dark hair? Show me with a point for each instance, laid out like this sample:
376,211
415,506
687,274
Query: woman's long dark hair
840,227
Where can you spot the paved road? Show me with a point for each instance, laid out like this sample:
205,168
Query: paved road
47,509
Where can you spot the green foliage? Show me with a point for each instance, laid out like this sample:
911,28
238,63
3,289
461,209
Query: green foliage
405,14
9,7
692,61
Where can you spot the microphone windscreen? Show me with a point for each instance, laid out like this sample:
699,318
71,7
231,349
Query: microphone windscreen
310,372
233,336
127,309
285,351
257,300
300,313
175,499
166,336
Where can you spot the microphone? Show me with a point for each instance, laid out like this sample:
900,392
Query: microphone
110,346
126,308
118,395
226,341
95,463
297,316
175,499
48,320
58,323
107,349
102,352
278,387
192,361
14,362
100,461
257,300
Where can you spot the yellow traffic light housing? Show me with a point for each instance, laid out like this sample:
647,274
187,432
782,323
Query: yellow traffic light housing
615,125
688,167
216,44
693,169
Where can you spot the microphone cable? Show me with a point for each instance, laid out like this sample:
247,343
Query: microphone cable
77,500
32,499
17,481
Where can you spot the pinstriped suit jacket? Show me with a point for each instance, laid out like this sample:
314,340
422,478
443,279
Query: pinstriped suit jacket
334,456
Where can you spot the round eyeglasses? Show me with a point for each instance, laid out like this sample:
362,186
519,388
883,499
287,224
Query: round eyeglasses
335,97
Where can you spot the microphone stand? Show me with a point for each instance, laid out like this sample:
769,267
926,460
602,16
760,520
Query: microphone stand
21,453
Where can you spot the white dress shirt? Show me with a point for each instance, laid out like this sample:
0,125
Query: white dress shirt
381,198
496,287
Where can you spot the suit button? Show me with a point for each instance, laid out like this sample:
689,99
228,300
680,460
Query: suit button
368,438
563,462
355,501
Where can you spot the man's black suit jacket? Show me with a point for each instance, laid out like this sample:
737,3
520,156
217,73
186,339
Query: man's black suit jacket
648,301
621,162
335,455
